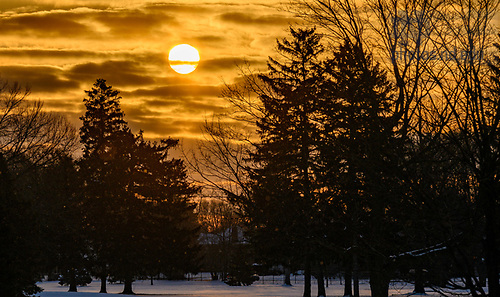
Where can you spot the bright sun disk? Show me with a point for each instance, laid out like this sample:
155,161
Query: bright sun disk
183,58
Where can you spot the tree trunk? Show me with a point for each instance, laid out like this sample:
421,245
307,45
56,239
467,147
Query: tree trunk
287,276
127,288
72,281
103,284
307,279
489,203
321,281
419,281
481,272
348,283
379,283
355,273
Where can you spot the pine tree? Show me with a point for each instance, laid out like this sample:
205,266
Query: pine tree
285,190
356,148
103,119
19,240
30,139
104,166
139,214
59,201
169,220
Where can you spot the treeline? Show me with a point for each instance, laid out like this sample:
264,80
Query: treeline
342,155
122,210
350,169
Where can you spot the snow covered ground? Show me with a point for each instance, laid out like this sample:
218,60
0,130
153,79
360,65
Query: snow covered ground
213,289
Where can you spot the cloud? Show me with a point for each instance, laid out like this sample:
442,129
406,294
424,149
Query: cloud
189,126
172,115
175,80
64,105
42,25
120,73
46,5
141,111
200,106
177,8
89,23
7,5
230,63
39,78
156,103
48,53
145,56
166,126
252,19
210,39
135,22
60,47
178,91
177,106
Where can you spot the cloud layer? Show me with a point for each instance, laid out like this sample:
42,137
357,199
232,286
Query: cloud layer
59,48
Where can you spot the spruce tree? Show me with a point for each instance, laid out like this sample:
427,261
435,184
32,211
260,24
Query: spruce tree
30,139
285,192
169,222
104,166
137,200
19,238
103,119
59,202
357,154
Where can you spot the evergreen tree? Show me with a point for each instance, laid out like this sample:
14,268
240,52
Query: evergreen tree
170,223
19,240
103,119
59,202
104,167
357,154
138,211
285,205
30,139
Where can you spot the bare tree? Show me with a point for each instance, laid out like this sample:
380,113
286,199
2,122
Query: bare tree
28,134
221,161
465,33
30,138
398,34
435,52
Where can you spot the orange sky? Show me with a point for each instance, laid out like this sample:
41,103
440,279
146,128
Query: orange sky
60,48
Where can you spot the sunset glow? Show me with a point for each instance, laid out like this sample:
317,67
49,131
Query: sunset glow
59,48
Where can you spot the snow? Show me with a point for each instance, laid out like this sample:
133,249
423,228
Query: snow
422,252
208,288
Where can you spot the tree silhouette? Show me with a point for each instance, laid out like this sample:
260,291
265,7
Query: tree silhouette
103,168
168,218
356,149
137,200
285,192
59,201
30,138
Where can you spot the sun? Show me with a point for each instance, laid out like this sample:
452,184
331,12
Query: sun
183,58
